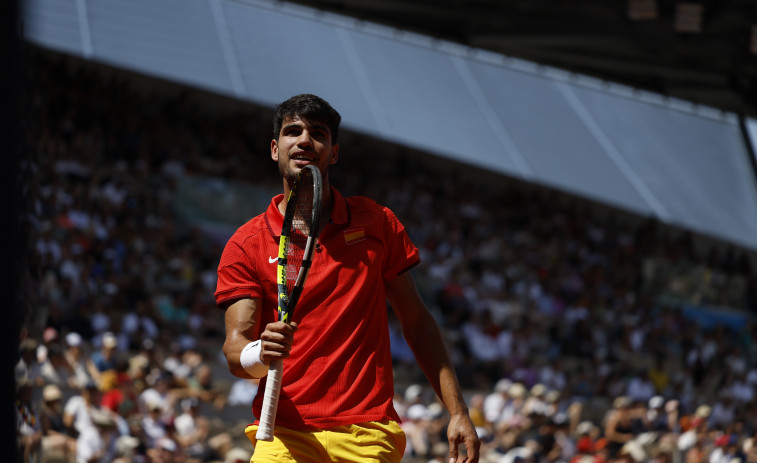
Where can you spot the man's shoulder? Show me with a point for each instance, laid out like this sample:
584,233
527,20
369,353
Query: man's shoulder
362,204
364,209
251,228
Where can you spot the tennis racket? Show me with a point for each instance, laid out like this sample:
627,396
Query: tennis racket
299,234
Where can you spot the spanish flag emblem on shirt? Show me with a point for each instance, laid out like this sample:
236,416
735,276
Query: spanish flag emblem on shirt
354,235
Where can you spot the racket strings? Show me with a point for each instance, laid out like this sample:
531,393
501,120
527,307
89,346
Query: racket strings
302,222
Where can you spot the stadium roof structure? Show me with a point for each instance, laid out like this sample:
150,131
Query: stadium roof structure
684,164
699,50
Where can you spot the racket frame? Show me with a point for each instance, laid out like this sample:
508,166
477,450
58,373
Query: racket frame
287,302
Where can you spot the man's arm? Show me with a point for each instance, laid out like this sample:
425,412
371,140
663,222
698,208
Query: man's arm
243,319
425,339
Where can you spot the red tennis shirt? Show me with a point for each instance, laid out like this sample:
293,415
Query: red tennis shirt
340,369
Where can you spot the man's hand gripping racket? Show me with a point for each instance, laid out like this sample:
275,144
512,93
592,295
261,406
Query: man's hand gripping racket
299,234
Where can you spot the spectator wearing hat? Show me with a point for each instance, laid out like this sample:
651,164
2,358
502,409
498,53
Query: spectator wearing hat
154,425
535,402
55,436
97,443
27,366
164,450
192,429
237,455
76,412
495,402
161,393
76,361
127,448
619,425
585,433
512,413
415,425
656,416
103,359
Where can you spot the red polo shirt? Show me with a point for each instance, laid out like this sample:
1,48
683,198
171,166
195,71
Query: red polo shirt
340,369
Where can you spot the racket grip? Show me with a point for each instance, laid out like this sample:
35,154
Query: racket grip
270,402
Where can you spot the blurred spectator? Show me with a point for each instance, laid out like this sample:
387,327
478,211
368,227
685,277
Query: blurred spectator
28,429
202,386
154,423
242,392
27,367
640,387
126,450
415,425
619,426
138,325
192,430
97,442
723,412
656,416
103,359
160,396
52,365
55,436
76,361
495,402
237,455
77,410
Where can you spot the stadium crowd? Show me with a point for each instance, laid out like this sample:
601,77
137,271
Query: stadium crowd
567,323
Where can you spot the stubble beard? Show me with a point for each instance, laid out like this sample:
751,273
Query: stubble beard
286,172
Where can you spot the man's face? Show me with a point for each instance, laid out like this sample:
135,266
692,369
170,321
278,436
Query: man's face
302,142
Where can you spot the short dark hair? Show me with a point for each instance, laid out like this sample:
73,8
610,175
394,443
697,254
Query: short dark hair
308,107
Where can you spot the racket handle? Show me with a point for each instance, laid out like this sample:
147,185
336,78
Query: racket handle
270,402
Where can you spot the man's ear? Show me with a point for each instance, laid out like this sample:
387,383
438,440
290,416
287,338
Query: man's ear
275,150
334,156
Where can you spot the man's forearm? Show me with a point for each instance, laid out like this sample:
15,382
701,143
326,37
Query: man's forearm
432,356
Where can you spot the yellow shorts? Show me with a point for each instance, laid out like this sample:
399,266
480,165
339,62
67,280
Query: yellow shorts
377,442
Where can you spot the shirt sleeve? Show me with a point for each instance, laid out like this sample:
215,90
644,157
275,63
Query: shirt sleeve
236,276
401,253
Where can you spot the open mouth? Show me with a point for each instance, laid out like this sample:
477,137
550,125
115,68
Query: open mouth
303,158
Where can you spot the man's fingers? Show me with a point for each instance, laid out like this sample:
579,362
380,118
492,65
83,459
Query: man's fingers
453,441
276,341
472,445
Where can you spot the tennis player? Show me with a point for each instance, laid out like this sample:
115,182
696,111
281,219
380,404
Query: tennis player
337,385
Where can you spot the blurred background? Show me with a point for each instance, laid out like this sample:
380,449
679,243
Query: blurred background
580,177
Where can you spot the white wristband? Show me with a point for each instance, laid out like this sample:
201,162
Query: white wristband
250,360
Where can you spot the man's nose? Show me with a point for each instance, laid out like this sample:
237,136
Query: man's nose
305,139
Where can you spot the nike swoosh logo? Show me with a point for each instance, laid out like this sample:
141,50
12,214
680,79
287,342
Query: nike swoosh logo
272,259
